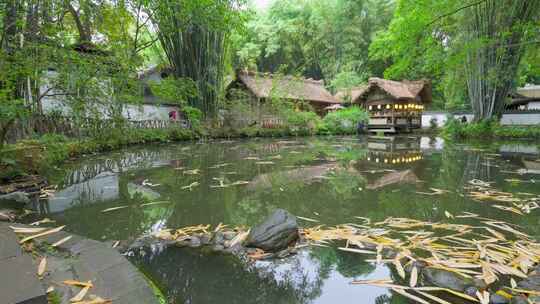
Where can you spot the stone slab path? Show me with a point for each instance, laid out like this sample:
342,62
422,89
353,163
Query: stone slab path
81,259
18,273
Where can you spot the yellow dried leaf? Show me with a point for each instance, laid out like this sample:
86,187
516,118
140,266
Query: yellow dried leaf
28,238
80,296
42,266
78,283
414,277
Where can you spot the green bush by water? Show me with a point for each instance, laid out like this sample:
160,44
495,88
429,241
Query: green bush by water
343,121
487,129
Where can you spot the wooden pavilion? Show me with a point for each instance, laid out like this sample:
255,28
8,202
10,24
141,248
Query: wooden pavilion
393,106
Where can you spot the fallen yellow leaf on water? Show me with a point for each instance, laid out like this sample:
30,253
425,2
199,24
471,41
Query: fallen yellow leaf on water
432,297
414,277
42,267
356,250
410,296
307,219
113,209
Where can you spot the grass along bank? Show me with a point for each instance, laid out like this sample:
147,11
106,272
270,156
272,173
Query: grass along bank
488,129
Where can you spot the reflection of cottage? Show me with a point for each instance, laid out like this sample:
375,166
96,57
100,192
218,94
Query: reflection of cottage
400,177
525,99
393,106
260,88
394,150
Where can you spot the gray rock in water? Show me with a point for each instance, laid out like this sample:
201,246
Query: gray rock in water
218,238
194,242
471,291
205,239
446,279
275,233
229,235
497,299
14,199
519,300
532,282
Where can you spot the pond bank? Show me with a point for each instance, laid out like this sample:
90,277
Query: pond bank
73,259
29,157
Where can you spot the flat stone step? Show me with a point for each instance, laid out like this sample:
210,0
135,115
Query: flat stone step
19,283
9,244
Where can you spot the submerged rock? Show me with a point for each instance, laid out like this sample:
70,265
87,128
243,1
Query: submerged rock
498,299
519,300
275,233
446,279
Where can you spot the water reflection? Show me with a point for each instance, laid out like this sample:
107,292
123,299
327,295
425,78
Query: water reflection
329,179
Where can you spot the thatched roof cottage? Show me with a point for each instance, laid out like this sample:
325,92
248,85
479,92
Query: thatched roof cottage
262,87
392,105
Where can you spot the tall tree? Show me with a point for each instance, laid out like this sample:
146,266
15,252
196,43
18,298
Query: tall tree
498,31
194,36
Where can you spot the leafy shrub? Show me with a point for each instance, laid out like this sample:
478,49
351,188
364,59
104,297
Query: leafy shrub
486,129
302,122
344,121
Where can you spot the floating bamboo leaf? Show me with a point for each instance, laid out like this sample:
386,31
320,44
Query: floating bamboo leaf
307,219
414,277
410,296
356,250
113,209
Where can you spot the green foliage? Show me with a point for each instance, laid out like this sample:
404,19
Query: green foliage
174,90
487,129
194,36
319,38
344,121
302,122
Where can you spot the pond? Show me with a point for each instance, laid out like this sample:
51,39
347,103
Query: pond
331,180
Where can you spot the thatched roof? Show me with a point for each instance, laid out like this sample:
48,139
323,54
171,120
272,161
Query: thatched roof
530,91
405,89
351,94
287,87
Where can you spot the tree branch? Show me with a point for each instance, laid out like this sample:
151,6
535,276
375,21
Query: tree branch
453,12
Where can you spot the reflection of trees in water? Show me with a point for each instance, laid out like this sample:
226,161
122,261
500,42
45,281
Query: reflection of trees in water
190,276
350,265
116,163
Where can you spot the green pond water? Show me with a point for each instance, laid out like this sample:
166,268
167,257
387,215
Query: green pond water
329,179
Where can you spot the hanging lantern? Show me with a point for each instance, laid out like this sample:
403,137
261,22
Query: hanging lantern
379,107
388,106
395,106
370,107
